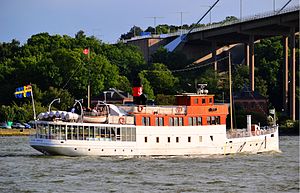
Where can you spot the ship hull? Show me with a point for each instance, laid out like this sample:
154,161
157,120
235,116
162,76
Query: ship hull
252,144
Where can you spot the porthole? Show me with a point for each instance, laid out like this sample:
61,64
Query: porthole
75,149
89,149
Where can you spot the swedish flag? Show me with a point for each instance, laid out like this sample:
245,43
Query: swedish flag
24,91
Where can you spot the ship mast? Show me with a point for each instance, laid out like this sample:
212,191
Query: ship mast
89,82
230,92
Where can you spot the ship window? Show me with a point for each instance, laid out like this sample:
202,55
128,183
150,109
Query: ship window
123,134
117,135
208,120
157,139
159,121
175,121
194,120
169,139
146,139
180,121
69,132
210,100
189,139
217,120
92,132
133,134
203,101
97,133
177,139
171,121
190,120
196,100
63,132
102,132
52,132
156,121
200,138
199,121
211,138
86,133
213,120
146,121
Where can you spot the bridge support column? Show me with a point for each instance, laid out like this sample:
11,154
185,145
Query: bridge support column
285,75
251,62
214,54
246,53
293,76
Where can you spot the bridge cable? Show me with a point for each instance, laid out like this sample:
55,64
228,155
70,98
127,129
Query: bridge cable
283,7
200,66
210,8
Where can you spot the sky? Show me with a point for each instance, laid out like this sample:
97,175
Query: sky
108,19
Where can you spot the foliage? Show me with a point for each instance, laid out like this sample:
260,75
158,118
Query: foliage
160,78
57,68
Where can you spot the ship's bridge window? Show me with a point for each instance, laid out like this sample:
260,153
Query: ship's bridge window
171,121
196,100
210,100
180,121
159,121
146,121
213,120
203,100
175,121
194,121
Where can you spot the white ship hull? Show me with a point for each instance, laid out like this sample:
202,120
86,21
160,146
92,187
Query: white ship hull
206,140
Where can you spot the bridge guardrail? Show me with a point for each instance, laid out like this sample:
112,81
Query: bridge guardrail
211,26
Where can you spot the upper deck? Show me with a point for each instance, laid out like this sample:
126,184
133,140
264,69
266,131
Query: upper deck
190,109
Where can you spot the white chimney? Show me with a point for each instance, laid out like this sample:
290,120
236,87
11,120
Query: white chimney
249,124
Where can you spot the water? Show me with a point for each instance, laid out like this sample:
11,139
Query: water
22,169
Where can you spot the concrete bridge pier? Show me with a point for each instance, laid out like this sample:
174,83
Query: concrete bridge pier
246,53
293,76
285,74
214,54
251,62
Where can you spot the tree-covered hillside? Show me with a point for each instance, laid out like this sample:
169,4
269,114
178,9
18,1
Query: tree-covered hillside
57,68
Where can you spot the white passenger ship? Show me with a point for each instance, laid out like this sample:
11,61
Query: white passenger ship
194,126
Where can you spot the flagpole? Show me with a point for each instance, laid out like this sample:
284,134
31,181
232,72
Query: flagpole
33,106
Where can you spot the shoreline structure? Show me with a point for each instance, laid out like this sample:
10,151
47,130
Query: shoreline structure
16,132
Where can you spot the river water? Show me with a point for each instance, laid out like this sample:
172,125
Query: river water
23,169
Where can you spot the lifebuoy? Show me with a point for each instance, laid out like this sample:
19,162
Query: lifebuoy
178,109
140,108
122,120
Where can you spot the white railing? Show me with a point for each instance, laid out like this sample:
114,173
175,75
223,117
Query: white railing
238,133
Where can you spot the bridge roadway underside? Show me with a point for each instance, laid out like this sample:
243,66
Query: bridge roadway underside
285,25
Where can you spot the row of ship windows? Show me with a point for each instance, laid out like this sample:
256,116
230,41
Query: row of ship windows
203,101
189,139
178,121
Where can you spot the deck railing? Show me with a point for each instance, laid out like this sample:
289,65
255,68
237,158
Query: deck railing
238,133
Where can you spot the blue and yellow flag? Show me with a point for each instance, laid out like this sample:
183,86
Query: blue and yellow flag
24,91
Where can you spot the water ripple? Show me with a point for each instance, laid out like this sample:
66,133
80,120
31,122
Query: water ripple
25,170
